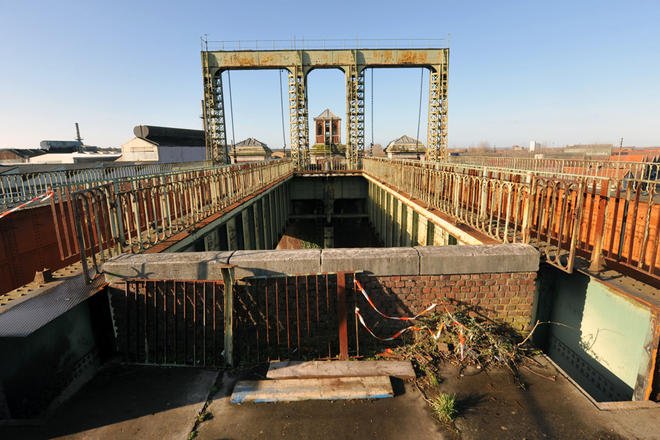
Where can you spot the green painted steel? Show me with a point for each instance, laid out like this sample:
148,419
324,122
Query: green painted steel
599,336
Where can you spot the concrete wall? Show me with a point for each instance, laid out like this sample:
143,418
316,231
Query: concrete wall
399,221
256,224
140,150
316,187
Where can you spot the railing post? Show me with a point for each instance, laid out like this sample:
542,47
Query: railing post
577,223
597,251
228,279
530,182
484,194
341,316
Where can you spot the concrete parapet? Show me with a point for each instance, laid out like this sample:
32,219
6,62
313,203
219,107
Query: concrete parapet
377,261
420,260
276,262
167,266
477,259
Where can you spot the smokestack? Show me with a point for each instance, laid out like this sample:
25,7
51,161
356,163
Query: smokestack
78,138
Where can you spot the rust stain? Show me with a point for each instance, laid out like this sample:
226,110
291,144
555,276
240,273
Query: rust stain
412,57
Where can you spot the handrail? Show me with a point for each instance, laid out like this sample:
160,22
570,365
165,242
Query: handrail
606,220
320,44
18,186
135,215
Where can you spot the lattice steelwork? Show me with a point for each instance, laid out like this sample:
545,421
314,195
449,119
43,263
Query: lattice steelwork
214,117
298,116
437,124
355,114
299,62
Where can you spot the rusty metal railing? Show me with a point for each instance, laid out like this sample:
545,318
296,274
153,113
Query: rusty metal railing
329,165
614,169
608,221
24,182
135,215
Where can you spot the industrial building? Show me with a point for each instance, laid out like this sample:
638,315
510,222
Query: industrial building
163,145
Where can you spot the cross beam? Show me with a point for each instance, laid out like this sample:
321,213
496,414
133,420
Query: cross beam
299,63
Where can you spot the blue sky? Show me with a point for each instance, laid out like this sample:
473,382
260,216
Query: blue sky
554,71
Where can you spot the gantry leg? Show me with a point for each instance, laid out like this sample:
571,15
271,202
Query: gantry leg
437,124
214,117
354,114
298,116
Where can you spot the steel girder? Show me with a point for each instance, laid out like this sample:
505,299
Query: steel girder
214,116
437,115
354,114
298,116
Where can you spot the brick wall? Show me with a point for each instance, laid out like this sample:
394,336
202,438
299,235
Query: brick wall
506,297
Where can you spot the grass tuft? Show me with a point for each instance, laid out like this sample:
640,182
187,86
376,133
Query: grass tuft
444,407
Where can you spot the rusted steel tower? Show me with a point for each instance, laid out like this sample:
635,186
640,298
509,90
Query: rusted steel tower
298,63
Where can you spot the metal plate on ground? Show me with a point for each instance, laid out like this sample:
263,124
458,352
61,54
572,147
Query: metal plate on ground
292,390
302,369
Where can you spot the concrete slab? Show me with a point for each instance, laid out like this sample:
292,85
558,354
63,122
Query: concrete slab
492,406
277,262
435,260
129,402
295,390
406,416
302,369
172,266
378,261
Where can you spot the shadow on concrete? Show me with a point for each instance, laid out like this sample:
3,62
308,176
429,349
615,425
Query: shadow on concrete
131,401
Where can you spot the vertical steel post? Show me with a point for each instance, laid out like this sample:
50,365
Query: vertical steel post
298,115
437,114
214,113
342,316
597,251
228,279
354,112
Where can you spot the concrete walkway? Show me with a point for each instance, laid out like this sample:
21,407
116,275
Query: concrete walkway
128,402
492,406
405,416
144,402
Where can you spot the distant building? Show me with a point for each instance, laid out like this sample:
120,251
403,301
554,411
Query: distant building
327,128
250,150
58,152
164,145
12,156
533,145
589,150
280,153
405,147
61,146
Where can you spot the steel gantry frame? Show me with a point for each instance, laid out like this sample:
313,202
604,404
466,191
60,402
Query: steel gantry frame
354,113
299,62
214,115
298,115
437,116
